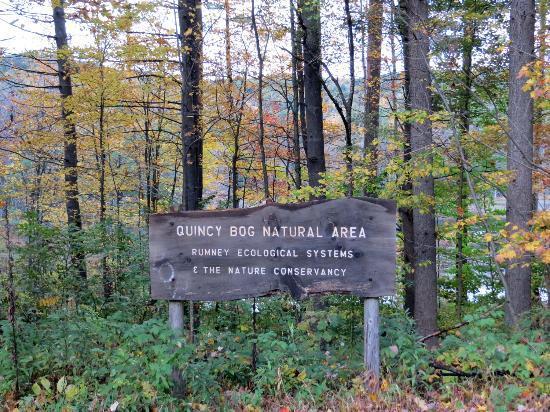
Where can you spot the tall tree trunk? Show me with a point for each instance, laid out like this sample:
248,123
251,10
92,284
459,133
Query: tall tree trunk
519,204
538,116
230,85
190,22
425,304
295,100
461,233
70,163
406,214
190,25
147,157
348,104
12,296
36,192
464,116
393,52
155,189
372,91
309,21
301,91
309,17
102,160
261,136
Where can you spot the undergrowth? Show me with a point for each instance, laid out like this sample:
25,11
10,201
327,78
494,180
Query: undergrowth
75,359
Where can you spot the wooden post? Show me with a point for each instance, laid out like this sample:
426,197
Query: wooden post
175,316
371,347
175,320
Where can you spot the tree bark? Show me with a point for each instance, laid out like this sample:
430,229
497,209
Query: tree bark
519,204
70,163
372,91
425,305
190,22
406,214
309,17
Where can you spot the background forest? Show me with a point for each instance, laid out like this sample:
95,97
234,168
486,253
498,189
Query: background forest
114,110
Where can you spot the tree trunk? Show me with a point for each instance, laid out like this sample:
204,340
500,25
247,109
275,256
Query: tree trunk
155,189
229,72
406,214
102,159
464,119
461,233
394,75
261,136
348,104
70,163
539,117
309,17
372,91
519,203
36,192
425,304
301,91
190,22
11,296
147,157
295,100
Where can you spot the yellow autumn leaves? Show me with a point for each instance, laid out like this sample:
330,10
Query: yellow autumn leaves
518,243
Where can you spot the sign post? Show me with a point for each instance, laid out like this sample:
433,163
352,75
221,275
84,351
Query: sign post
324,246
371,336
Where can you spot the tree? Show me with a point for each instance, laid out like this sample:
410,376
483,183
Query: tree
344,104
425,275
309,17
519,196
190,25
74,218
261,135
190,54
464,102
295,98
372,81
406,213
236,106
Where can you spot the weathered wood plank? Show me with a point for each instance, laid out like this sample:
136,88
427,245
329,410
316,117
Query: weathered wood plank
343,245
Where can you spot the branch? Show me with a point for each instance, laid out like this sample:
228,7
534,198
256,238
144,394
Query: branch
335,81
336,104
484,315
452,371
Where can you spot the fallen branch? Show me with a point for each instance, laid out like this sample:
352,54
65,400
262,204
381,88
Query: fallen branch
452,371
442,331
459,325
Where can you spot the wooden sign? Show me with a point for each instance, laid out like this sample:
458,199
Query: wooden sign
344,246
